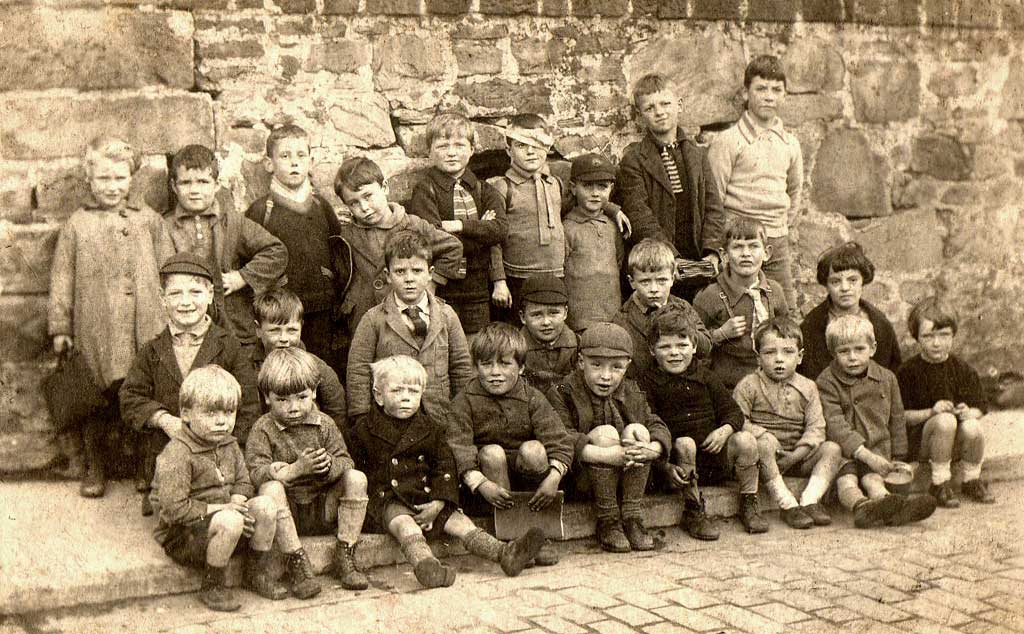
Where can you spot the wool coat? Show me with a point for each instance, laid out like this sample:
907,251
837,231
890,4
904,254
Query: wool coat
864,411
638,324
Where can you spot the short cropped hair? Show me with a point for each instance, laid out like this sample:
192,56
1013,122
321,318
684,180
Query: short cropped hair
399,367
111,149
669,320
288,371
357,172
277,306
940,313
210,388
783,327
287,131
406,243
766,67
743,228
194,157
450,125
528,120
651,255
845,257
496,340
846,329
648,85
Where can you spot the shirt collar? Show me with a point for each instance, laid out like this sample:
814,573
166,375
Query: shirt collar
801,384
751,130
212,212
874,373
735,291
518,391
468,180
580,216
519,178
313,418
131,202
565,339
639,305
423,304
198,331
196,444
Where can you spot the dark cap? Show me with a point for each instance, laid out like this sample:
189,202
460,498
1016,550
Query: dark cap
186,263
592,168
604,339
545,289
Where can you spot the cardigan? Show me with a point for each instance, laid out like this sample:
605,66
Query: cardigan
816,354
790,410
864,411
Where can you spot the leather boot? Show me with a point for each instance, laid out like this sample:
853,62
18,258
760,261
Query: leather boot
94,484
343,567
302,583
214,592
259,575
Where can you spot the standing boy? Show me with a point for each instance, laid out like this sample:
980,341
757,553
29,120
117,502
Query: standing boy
758,167
550,343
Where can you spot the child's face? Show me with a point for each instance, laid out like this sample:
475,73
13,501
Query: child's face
844,288
290,161
409,278
399,398
210,425
110,182
652,287
853,356
529,159
935,343
500,374
283,335
451,154
196,189
544,321
779,356
659,112
744,256
673,353
591,196
291,409
368,204
603,374
186,298
764,98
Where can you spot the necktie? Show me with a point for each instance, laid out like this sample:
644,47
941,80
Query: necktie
545,221
419,327
672,169
463,207
760,310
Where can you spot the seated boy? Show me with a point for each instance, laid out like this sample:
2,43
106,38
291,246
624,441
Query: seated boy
503,431
783,411
704,422
243,257
739,299
944,400
361,186
616,435
203,499
864,415
550,344
280,322
297,456
149,394
413,322
652,268
413,483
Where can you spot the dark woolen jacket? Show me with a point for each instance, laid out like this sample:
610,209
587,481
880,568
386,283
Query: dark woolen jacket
816,354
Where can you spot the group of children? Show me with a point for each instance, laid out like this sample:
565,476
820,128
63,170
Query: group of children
486,348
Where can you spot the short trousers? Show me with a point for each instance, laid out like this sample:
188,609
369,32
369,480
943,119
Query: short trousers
805,466
854,467
186,543
395,508
311,517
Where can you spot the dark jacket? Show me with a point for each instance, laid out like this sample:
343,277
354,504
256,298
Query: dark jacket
864,411
692,404
645,193
330,395
548,363
638,324
816,354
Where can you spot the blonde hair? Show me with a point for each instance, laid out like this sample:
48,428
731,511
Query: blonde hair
210,388
450,125
112,149
651,255
847,329
288,371
399,367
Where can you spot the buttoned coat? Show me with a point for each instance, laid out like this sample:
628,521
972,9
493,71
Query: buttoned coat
864,411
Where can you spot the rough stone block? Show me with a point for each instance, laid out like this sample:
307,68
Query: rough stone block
25,255
885,91
393,7
508,7
15,192
554,8
399,58
942,157
673,9
535,55
1013,91
607,8
799,109
479,31
412,138
645,7
884,12
208,24
91,50
886,239
822,11
476,58
338,56
1013,15
600,69
909,191
849,178
979,14
291,26
941,12
22,408
500,96
772,10
230,49
26,452
23,322
813,66
447,7
151,124
949,82
296,6
341,7
361,120
715,9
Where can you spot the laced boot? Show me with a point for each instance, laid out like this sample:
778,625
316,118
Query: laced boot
303,584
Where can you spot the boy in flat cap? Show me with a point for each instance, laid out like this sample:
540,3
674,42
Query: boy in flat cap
550,344
149,394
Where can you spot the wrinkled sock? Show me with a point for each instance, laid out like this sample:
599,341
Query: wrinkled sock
941,472
972,470
849,494
816,488
351,513
415,549
634,482
780,493
286,537
746,475
483,544
605,481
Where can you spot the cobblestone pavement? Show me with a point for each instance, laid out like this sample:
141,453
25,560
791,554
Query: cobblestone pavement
960,571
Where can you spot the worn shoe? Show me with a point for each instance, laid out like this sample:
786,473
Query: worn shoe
818,514
259,576
944,495
302,583
94,484
914,508
696,522
870,513
548,555
214,592
520,551
637,535
797,518
343,568
611,537
750,514
977,490
431,573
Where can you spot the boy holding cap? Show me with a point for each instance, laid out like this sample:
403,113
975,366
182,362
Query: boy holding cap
550,345
594,249
617,437
149,394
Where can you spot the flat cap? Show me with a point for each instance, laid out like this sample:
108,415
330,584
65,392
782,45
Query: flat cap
592,168
186,263
544,289
604,339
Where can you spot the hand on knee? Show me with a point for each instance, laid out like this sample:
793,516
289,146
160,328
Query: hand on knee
636,433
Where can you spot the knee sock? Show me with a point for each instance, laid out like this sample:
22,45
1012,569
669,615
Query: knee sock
816,488
972,470
415,549
691,494
940,472
780,493
849,493
605,481
285,536
746,475
483,544
634,481
351,513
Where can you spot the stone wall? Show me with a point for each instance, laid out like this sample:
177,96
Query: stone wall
910,113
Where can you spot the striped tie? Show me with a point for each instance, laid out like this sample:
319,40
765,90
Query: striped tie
463,207
671,169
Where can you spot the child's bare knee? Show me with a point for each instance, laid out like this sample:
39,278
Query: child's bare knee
636,432
604,436
227,521
831,453
768,446
263,507
744,446
685,449
969,429
492,457
944,424
355,482
274,489
532,457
